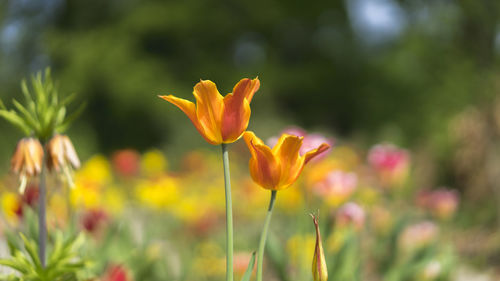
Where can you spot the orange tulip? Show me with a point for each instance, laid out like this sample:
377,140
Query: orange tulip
279,167
219,119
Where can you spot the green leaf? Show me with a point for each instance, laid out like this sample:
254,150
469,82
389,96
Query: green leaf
28,118
61,114
12,243
14,265
32,250
48,122
29,99
2,106
62,127
248,272
58,248
12,117
276,256
41,99
68,99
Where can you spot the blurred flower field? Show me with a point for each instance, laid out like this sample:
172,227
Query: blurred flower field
147,220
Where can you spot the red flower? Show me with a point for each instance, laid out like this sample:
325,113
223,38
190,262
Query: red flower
117,273
126,162
92,220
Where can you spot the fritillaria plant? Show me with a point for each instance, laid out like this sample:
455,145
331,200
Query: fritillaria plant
42,118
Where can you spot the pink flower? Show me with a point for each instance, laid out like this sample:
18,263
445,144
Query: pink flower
296,131
350,214
390,162
418,235
440,202
310,142
337,186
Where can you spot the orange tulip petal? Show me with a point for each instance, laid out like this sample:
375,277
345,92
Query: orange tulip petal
209,108
190,110
235,119
237,109
315,152
287,151
264,167
249,135
246,88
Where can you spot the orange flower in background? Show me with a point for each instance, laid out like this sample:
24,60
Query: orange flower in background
279,167
126,162
219,119
27,160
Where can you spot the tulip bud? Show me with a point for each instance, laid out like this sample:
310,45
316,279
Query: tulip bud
27,160
319,269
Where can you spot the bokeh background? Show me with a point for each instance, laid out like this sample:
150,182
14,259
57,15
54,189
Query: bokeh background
423,75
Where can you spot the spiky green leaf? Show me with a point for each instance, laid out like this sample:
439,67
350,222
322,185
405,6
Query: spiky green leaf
12,117
248,272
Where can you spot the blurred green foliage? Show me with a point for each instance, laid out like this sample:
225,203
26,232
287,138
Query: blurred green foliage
318,67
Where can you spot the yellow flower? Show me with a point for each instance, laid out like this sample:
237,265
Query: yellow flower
209,261
11,206
279,167
87,196
153,163
97,170
299,248
115,200
219,119
158,194
292,200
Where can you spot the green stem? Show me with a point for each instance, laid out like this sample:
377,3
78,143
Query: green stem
229,215
42,222
263,237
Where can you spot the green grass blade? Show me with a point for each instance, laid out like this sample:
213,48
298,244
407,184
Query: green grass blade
248,272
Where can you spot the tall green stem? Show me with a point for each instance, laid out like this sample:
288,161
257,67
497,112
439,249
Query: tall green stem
42,222
229,215
263,237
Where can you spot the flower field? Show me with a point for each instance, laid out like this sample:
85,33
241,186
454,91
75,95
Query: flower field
147,220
